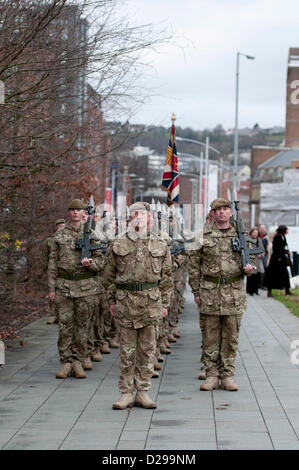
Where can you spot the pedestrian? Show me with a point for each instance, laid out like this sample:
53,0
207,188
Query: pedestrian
216,279
277,276
72,284
59,223
270,236
139,287
264,238
253,281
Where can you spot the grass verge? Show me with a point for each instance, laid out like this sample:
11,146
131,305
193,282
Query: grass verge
290,301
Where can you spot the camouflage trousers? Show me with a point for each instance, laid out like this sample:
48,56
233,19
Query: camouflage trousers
53,309
74,318
162,333
137,358
202,329
110,328
173,315
220,345
96,328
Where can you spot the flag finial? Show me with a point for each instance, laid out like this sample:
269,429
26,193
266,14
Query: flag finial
173,117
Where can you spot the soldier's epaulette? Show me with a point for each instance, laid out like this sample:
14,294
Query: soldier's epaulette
208,228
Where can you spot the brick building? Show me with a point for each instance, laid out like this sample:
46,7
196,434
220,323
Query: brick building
261,154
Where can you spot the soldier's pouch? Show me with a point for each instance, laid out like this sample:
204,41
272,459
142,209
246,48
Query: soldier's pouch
121,302
157,253
121,294
154,294
239,295
122,252
87,285
209,298
155,302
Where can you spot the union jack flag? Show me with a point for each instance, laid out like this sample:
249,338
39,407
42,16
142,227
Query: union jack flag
170,179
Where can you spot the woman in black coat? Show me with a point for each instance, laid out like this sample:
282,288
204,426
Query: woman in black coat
277,276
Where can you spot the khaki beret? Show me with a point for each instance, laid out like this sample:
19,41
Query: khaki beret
59,221
220,202
139,206
76,204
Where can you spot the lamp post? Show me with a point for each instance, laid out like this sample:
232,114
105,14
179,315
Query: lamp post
236,134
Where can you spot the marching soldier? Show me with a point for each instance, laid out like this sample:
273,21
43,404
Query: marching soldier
72,283
202,374
139,285
216,278
59,223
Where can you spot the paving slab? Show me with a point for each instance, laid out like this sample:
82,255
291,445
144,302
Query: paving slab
37,411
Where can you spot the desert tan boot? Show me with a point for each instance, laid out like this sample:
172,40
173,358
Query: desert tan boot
78,370
176,333
227,383
211,383
160,358
165,350
202,374
64,371
142,399
97,356
171,338
87,364
105,349
155,375
52,320
114,343
126,400
157,366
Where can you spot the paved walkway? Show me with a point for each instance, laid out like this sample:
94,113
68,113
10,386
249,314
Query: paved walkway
37,411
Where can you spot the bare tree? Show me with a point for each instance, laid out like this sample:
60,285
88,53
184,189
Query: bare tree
63,64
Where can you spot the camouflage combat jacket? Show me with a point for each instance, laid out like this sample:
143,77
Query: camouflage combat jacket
217,259
64,259
131,259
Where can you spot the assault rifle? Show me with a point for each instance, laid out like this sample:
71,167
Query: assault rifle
178,246
84,243
239,244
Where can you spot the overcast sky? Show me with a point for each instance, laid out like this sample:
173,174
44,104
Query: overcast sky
198,83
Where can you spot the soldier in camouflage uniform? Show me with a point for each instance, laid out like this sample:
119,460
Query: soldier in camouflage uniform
98,343
72,283
59,223
110,330
216,278
163,346
202,374
139,286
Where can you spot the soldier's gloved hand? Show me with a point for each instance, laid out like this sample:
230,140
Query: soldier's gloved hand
197,300
164,312
112,310
249,269
86,261
52,296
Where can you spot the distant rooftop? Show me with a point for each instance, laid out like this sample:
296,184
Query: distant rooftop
281,159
